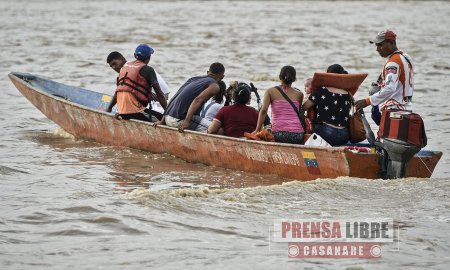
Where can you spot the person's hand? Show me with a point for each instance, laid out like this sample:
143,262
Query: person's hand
374,88
360,104
184,125
255,131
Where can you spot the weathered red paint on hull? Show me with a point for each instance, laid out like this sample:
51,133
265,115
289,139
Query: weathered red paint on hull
289,161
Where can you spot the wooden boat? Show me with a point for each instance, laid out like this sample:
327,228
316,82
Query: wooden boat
81,113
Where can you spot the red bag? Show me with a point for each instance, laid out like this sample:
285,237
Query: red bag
404,126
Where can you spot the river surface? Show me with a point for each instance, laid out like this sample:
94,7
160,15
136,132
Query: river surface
73,204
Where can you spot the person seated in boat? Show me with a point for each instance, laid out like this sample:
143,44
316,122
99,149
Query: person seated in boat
211,107
307,85
331,110
116,61
287,127
134,87
308,114
238,118
184,108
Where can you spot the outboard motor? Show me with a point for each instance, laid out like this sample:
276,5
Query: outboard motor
399,154
401,136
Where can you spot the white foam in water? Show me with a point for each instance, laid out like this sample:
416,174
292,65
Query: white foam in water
62,133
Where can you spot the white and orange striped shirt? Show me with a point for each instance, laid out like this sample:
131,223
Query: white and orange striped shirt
397,85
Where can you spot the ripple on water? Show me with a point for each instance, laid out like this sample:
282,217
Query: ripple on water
4,170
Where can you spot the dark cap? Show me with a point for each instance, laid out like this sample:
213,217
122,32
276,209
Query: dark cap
382,36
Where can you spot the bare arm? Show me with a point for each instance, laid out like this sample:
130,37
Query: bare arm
160,95
112,103
263,111
300,98
208,93
214,127
160,122
307,105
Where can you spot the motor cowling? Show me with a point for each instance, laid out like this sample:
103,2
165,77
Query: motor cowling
401,136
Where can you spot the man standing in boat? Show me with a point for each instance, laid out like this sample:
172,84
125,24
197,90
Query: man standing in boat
396,80
116,61
134,84
184,108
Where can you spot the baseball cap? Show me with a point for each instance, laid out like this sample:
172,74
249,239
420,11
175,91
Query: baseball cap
384,35
143,51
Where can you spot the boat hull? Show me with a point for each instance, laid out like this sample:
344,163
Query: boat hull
288,161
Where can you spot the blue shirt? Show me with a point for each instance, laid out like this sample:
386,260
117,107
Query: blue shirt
180,103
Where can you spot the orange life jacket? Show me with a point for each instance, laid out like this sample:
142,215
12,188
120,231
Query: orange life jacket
130,80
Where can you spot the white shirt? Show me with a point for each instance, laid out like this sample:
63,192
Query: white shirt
165,89
210,109
397,83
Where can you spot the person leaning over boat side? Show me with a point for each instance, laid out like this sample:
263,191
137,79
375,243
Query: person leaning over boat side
238,118
331,111
396,84
286,125
116,61
184,107
135,82
211,107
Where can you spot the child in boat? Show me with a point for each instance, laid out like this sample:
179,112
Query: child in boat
238,118
308,115
307,85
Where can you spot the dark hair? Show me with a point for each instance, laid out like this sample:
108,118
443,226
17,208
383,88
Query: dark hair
217,68
288,74
219,96
336,68
242,93
113,55
228,95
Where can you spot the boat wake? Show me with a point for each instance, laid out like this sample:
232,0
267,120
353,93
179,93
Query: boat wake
328,191
61,133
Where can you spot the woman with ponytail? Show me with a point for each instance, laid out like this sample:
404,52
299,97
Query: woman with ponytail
238,118
286,124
